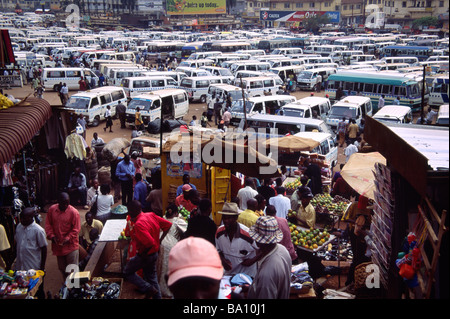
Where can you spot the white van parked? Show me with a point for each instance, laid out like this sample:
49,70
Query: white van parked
174,104
222,91
93,103
115,76
307,79
51,77
286,51
258,85
250,66
203,55
361,58
442,118
263,105
350,107
251,74
276,125
197,86
344,56
140,84
285,72
306,107
219,71
192,71
196,63
327,146
177,76
120,56
394,114
400,59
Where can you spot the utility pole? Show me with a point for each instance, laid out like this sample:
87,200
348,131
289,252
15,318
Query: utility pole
423,96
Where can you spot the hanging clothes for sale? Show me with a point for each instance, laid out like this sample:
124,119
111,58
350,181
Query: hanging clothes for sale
75,146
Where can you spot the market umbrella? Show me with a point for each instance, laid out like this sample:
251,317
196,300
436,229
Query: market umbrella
231,154
292,143
358,172
240,157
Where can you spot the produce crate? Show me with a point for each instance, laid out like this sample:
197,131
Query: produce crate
328,238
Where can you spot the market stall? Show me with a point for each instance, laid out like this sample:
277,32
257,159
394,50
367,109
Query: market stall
411,201
20,284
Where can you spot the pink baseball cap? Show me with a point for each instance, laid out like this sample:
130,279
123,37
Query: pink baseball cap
194,256
186,187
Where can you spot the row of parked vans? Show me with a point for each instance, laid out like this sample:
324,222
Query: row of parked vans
92,104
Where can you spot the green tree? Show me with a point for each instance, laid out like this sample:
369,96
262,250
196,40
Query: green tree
425,22
314,23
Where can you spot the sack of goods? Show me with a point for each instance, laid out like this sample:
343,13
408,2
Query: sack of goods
113,149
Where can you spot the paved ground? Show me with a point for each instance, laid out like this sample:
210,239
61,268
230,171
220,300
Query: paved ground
53,280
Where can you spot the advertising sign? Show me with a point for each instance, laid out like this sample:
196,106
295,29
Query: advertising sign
180,7
150,6
297,16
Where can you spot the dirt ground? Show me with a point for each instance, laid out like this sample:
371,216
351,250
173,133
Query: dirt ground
53,280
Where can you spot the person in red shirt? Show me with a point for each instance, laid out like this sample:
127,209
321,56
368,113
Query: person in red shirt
62,226
146,231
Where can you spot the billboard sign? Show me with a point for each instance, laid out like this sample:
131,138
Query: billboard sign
180,7
297,16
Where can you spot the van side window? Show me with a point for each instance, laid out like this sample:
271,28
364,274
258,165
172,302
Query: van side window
316,108
73,74
268,83
156,104
94,102
203,84
308,113
105,98
157,83
256,84
171,82
55,74
324,108
325,147
258,108
284,129
179,98
117,95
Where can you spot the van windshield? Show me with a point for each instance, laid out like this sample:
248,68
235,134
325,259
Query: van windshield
304,75
293,112
341,111
78,102
238,106
144,105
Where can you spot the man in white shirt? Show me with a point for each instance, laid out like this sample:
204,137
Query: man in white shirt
237,250
282,203
381,102
244,194
349,150
31,242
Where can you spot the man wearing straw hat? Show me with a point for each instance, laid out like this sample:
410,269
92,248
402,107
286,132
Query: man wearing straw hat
273,279
236,248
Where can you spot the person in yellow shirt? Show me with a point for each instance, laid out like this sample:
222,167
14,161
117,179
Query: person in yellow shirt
353,130
86,228
306,214
248,217
4,245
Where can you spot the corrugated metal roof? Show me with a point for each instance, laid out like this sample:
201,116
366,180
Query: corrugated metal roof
431,142
18,125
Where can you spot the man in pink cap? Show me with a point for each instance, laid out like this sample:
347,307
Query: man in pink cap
183,199
195,269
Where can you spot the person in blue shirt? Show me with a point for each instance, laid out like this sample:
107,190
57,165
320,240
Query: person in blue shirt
125,172
140,192
186,180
